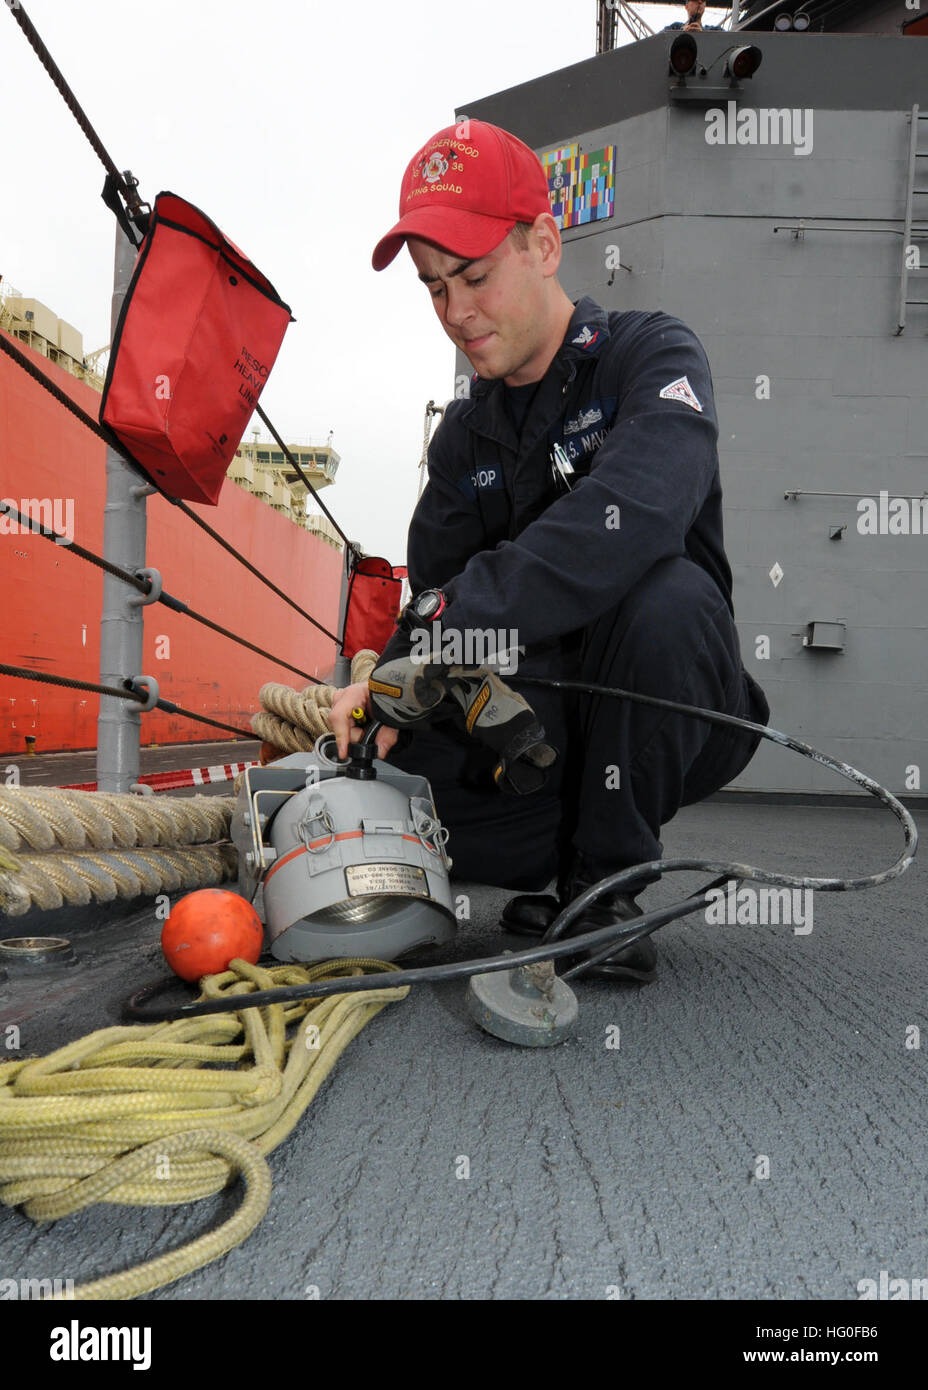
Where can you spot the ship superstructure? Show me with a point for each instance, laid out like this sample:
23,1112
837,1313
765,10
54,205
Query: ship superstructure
784,217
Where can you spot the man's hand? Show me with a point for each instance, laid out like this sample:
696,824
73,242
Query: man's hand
344,727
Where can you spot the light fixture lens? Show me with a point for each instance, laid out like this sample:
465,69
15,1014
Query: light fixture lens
683,55
744,62
783,22
801,22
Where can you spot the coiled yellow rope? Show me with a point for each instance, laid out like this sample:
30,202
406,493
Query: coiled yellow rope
129,1115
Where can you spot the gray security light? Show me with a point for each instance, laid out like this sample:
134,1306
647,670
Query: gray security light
682,55
743,62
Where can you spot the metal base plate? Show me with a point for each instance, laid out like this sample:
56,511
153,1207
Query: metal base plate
529,1005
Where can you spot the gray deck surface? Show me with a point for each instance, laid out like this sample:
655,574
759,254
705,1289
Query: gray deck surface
630,1170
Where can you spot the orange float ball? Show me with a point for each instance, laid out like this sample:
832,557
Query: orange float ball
207,929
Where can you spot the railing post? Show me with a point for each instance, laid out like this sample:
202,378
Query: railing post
342,674
121,623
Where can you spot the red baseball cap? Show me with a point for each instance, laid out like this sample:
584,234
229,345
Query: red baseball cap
465,190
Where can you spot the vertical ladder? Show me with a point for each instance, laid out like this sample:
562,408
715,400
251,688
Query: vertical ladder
915,230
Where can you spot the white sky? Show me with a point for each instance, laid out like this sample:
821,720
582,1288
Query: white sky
289,123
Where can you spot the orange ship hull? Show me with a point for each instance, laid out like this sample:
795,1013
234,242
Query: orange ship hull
51,598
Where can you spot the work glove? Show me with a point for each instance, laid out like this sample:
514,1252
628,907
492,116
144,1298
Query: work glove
506,723
405,690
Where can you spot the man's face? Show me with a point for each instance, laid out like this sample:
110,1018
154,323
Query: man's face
696,8
490,308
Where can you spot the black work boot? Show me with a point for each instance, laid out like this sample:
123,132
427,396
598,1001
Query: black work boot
532,914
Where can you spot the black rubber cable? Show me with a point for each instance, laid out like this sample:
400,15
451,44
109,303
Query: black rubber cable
606,940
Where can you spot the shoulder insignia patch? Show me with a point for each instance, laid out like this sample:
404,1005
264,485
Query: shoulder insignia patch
681,390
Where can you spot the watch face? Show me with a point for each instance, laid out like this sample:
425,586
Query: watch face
428,604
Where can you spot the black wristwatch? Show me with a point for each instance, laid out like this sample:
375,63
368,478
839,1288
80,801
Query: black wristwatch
426,607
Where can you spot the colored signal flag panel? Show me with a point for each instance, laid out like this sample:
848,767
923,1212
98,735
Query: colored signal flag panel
581,186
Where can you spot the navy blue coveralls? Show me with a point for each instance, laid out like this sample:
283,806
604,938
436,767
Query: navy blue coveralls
638,597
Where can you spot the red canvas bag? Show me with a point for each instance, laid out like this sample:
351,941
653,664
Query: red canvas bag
197,337
373,605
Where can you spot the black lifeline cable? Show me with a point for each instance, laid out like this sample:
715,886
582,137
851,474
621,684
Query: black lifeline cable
144,586
170,708
7,346
180,607
606,940
30,523
293,463
54,72
220,540
48,679
125,693
74,106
